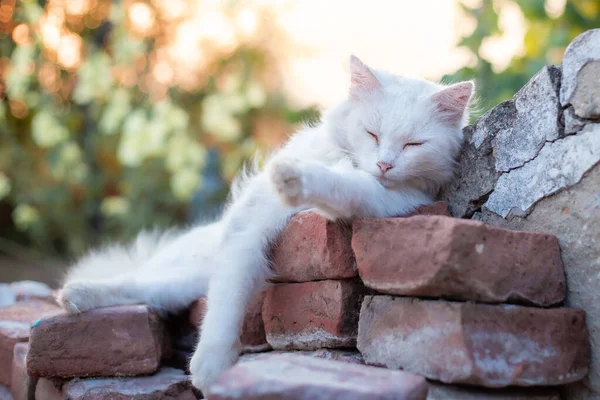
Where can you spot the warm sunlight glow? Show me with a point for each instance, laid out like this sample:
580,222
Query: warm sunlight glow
21,34
69,51
141,17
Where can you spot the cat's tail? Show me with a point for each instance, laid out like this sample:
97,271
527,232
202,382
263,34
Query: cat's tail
119,259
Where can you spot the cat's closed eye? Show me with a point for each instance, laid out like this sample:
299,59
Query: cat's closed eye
374,136
412,144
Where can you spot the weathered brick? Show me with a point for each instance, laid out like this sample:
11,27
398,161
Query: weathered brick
22,385
437,208
288,376
349,356
439,391
32,290
166,384
14,328
121,341
253,330
311,315
479,344
312,248
434,256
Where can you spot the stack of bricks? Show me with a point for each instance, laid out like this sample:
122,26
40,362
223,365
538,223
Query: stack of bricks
112,353
472,308
450,308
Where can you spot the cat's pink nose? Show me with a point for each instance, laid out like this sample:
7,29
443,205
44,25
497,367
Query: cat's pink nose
384,167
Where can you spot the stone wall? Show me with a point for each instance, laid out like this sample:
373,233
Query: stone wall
533,163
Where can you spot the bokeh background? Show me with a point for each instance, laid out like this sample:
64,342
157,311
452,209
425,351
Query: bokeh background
121,115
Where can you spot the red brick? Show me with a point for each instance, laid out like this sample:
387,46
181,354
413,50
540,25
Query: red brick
32,290
291,377
438,391
479,344
14,328
433,256
21,384
311,315
121,341
312,248
437,208
253,330
349,356
166,384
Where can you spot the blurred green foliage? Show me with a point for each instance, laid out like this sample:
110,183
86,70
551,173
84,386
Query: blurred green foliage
108,111
550,25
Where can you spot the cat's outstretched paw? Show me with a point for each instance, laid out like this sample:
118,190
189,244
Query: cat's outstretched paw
287,179
209,361
73,297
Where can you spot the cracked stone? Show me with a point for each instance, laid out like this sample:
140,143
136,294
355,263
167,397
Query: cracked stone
585,99
582,50
534,123
573,123
476,344
559,164
312,315
477,175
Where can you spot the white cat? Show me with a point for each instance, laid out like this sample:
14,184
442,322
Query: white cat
383,152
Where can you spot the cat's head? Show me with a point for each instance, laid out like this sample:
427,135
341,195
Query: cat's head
401,130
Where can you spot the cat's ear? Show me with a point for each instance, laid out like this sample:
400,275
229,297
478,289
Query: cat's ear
362,79
452,101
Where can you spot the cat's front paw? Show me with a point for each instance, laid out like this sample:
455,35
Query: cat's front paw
209,361
73,297
288,181
76,297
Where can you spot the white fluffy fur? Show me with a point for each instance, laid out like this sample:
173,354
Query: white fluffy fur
330,168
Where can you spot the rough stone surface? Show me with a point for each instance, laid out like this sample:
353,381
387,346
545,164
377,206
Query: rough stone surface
477,175
166,384
438,391
253,330
534,122
558,165
312,248
585,99
349,356
491,346
292,377
31,290
14,328
311,315
118,341
22,386
433,256
580,82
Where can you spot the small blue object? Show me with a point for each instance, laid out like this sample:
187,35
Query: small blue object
36,323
